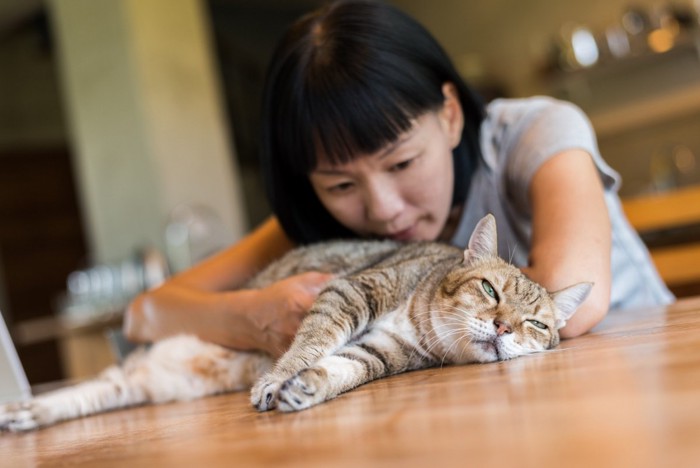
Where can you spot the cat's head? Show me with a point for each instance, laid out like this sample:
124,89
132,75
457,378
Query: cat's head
487,310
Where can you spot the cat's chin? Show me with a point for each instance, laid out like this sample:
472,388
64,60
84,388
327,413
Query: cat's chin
487,351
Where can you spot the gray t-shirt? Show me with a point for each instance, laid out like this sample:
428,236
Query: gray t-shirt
517,137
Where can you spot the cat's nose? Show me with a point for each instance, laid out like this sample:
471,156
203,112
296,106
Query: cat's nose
502,327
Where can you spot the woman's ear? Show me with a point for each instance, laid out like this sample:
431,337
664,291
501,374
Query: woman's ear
451,114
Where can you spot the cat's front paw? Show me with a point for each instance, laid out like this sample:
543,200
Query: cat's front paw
306,389
22,417
263,396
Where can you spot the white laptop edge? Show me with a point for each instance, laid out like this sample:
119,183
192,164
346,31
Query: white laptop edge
13,381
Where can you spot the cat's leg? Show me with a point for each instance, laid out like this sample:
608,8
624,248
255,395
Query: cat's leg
328,378
340,313
179,368
186,368
109,391
375,356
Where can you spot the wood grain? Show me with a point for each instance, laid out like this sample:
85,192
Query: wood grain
625,395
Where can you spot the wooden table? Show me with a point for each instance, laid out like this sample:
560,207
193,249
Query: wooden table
626,395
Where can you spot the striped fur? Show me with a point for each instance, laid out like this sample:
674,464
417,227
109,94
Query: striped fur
392,308
416,306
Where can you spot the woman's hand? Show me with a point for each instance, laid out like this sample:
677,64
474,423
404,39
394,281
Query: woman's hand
207,301
281,308
249,319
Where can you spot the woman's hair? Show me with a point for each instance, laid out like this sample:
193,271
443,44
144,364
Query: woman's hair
347,80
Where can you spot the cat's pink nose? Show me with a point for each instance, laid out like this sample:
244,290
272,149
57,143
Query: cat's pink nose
502,327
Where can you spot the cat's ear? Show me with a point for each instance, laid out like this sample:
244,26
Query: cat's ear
484,241
567,300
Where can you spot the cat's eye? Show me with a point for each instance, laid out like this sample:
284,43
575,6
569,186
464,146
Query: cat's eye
489,289
538,324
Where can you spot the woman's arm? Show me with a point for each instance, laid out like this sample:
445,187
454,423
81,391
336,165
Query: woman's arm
204,301
571,237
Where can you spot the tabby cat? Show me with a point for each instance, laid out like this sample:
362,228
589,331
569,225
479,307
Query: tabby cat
391,308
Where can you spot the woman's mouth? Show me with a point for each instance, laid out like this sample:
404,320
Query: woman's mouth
403,235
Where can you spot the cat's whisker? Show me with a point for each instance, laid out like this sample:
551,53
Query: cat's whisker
429,344
458,309
454,320
511,252
451,346
469,340
448,308
448,320
462,352
456,312
442,361
442,337
426,347
422,335
432,343
447,317
448,323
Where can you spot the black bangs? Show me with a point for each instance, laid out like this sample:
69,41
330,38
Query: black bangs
352,91
357,115
345,81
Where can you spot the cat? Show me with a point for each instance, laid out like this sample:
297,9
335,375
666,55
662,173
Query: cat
390,308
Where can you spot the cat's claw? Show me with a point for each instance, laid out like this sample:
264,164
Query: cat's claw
302,391
22,417
263,396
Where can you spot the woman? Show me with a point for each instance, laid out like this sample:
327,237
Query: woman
370,132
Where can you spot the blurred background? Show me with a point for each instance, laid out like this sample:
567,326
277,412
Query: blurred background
128,137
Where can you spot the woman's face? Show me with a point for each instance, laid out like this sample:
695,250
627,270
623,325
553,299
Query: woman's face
404,191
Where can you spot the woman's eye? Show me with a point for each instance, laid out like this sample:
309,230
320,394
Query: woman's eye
340,188
538,324
401,166
489,289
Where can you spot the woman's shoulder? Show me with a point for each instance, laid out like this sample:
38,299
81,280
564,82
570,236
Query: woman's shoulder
508,111
542,125
530,128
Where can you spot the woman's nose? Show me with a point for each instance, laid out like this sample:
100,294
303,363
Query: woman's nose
384,203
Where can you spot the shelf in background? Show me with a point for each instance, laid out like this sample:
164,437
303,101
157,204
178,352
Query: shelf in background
675,213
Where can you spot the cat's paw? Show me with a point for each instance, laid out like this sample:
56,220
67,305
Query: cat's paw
22,417
263,396
306,389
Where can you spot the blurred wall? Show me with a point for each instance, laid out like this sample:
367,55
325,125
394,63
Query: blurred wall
645,107
505,40
30,107
146,119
